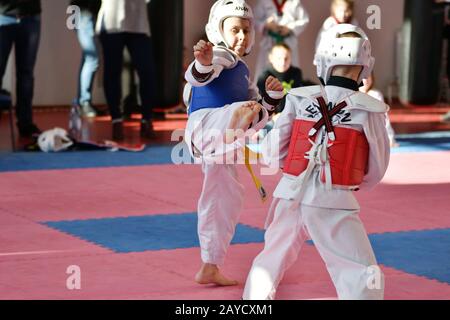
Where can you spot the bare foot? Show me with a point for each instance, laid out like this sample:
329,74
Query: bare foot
209,273
241,120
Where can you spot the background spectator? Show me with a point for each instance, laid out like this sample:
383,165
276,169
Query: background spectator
279,21
90,56
20,26
124,23
280,58
341,12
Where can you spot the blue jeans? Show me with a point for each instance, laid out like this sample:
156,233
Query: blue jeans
90,59
25,36
141,52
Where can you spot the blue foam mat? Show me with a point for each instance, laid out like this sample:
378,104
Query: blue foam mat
142,233
25,161
424,253
154,155
422,144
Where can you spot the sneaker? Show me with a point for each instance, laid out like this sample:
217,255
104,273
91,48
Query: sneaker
117,131
29,131
147,130
87,110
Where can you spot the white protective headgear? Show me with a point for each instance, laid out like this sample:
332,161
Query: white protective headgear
334,51
223,9
54,140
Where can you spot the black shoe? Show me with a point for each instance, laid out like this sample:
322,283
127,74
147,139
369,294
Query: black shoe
29,131
117,131
159,115
147,130
87,110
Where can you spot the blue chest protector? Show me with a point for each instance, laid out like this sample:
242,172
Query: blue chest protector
231,86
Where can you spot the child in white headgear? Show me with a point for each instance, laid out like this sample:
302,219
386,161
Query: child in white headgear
221,100
330,141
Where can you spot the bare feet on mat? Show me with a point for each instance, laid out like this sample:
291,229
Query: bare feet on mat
241,120
210,274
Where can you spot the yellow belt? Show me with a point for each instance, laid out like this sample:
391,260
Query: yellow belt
247,156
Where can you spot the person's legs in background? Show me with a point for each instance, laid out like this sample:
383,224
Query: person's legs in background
26,47
446,117
131,103
6,42
7,35
113,46
141,51
89,63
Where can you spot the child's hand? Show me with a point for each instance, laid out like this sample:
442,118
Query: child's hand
271,25
273,84
203,52
284,31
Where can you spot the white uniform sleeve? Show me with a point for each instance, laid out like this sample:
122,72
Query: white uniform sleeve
199,75
302,19
379,149
214,69
275,146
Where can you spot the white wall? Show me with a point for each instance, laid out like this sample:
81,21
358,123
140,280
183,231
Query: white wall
59,54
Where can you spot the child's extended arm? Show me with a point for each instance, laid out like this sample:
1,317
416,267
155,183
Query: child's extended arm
208,64
271,96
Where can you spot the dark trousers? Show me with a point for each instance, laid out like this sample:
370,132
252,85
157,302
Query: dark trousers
141,52
24,36
447,36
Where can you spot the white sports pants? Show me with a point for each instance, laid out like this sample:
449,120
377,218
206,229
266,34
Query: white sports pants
341,240
222,195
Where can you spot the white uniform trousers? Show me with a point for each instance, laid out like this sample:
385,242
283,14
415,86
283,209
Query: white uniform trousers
341,240
222,195
219,209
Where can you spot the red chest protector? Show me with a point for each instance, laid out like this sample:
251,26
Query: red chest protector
348,152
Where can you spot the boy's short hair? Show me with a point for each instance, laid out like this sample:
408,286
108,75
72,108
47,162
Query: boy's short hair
350,35
281,45
349,3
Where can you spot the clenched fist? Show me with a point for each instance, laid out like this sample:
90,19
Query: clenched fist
203,52
273,84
